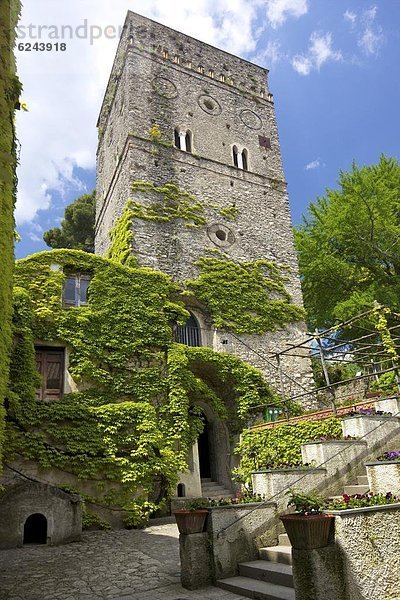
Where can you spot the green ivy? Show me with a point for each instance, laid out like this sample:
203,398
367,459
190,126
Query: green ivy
10,89
280,444
229,212
136,413
245,297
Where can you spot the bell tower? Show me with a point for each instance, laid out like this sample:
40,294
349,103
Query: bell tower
189,130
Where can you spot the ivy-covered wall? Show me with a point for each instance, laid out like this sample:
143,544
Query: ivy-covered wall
269,448
9,93
133,416
240,296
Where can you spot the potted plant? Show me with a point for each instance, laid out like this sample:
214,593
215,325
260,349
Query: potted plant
192,518
308,527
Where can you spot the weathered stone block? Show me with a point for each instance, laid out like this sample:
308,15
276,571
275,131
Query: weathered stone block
195,560
384,476
236,533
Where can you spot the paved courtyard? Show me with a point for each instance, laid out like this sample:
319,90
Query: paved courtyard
124,565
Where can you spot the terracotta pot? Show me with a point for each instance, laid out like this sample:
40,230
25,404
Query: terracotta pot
191,521
308,531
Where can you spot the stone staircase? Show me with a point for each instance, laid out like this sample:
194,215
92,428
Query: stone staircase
269,578
361,487
213,489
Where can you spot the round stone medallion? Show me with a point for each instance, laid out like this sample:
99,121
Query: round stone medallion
250,119
221,235
165,87
209,104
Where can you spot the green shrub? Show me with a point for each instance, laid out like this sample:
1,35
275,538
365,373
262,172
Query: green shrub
280,444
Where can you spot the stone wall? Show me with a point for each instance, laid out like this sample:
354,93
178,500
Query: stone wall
62,511
361,561
166,78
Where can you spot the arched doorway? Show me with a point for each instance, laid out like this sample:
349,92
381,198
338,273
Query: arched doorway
204,449
35,529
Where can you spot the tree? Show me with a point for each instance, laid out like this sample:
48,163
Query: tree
77,226
349,245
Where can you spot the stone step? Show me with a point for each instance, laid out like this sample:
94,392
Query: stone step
265,570
277,554
213,487
206,479
217,495
253,588
283,539
356,489
362,480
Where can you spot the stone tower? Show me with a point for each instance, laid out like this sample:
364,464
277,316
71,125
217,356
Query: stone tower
178,111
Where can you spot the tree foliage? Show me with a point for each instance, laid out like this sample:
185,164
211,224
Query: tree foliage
349,245
9,95
77,226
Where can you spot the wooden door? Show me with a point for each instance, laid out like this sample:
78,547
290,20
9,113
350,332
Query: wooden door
50,366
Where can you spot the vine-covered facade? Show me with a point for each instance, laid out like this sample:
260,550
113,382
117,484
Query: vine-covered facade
131,399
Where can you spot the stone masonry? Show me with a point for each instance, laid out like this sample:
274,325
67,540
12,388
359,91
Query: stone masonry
165,78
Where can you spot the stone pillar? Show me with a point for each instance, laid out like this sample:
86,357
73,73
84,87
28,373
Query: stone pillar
195,556
318,574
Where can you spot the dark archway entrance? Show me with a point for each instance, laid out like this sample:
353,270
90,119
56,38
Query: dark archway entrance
204,449
35,529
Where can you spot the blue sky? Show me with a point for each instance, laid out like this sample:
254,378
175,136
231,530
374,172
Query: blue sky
333,72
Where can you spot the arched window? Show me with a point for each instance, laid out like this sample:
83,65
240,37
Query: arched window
245,156
189,334
235,156
35,529
183,140
181,492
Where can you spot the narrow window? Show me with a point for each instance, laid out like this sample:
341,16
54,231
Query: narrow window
188,141
165,54
177,60
245,160
76,290
235,156
50,366
200,69
222,78
177,138
211,73
181,492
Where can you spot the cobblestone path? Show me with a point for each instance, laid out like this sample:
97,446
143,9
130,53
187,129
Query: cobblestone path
123,565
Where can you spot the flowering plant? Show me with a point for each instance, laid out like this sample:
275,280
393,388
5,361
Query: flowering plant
360,500
368,412
240,498
393,456
285,465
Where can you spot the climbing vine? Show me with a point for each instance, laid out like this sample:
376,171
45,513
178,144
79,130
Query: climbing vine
10,89
280,444
245,297
133,411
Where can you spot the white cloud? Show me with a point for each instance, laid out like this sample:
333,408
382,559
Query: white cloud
350,16
280,10
314,164
270,55
371,37
64,90
319,52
